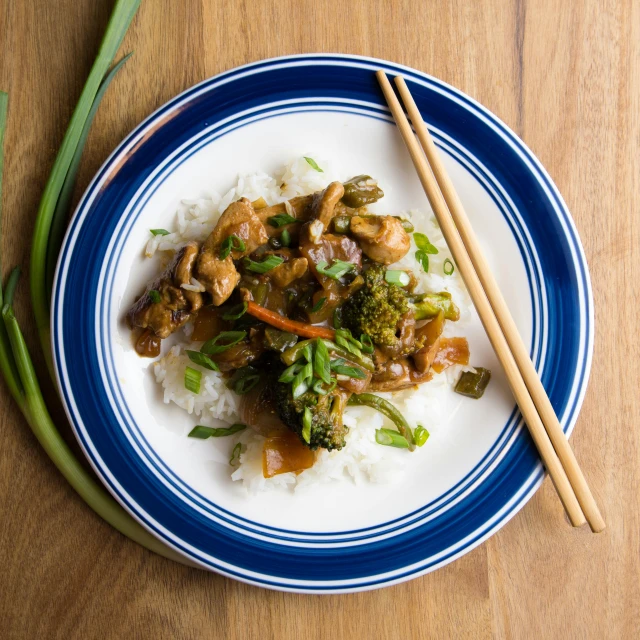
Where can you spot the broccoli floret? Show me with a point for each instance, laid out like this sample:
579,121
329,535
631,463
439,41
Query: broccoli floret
327,430
376,308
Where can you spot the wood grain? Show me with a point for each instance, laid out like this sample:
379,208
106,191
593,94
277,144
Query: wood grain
566,77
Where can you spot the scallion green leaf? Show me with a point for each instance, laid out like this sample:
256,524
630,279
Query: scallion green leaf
285,238
397,277
202,359
229,244
246,383
306,425
420,435
391,438
280,220
234,460
318,305
192,379
300,383
289,374
448,267
423,259
159,232
313,164
340,367
271,262
236,312
321,362
203,433
422,242
337,270
228,338
367,343
155,296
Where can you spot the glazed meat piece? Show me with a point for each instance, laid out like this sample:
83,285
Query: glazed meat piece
323,203
288,272
165,306
382,238
243,353
219,276
395,375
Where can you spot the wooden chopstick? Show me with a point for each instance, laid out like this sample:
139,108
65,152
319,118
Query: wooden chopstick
484,309
504,317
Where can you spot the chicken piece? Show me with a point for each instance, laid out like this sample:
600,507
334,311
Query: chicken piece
283,275
165,306
382,238
219,277
323,203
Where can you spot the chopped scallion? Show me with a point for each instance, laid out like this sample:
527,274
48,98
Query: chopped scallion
203,433
228,338
192,379
202,359
266,265
155,296
280,220
397,277
229,244
340,367
234,460
422,242
246,383
306,425
289,374
159,232
313,164
423,259
321,362
285,238
420,435
236,312
448,267
338,269
318,305
300,383
367,343
391,438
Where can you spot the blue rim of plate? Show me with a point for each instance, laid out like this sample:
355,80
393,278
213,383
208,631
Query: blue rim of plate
317,562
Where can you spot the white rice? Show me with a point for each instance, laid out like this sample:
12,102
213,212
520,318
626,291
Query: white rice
362,459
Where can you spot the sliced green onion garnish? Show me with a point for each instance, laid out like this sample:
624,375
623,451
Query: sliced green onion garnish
391,438
307,351
306,425
347,341
266,265
192,378
285,238
300,383
321,362
367,343
313,164
203,433
229,244
234,460
236,312
159,232
422,242
229,338
280,220
318,388
318,305
423,259
340,367
289,374
202,359
398,277
155,296
448,267
338,269
246,383
420,435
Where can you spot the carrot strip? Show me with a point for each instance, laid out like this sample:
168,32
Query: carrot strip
292,326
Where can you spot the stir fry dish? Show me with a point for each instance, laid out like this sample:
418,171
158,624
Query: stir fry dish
300,308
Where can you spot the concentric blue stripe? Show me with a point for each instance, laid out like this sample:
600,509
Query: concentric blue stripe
239,552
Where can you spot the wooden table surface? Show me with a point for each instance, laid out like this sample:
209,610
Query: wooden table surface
566,77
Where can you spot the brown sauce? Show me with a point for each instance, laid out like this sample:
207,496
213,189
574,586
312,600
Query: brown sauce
148,344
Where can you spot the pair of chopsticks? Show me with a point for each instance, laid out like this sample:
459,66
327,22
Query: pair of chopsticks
532,399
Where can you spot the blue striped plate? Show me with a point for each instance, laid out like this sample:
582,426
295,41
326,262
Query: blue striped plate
469,480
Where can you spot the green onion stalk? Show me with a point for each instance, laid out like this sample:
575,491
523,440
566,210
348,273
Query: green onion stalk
16,365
